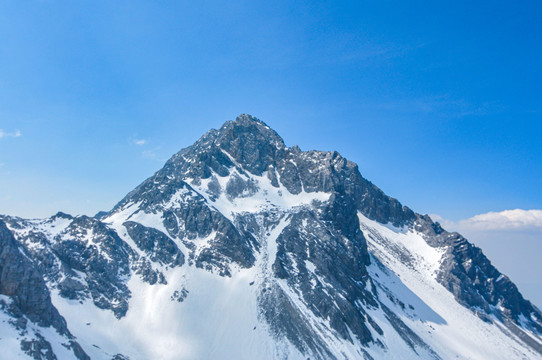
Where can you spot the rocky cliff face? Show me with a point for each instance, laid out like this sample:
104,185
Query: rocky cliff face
475,282
242,247
27,303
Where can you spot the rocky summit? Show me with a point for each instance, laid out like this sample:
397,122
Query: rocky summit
241,247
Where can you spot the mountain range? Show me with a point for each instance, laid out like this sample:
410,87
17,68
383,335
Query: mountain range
241,247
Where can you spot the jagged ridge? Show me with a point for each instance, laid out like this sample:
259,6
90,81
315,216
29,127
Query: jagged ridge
239,206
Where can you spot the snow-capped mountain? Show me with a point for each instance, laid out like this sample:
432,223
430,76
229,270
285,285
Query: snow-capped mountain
243,248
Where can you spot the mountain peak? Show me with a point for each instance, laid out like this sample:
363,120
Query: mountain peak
250,141
329,266
247,119
257,130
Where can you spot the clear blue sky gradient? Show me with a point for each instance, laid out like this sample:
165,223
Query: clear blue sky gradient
438,102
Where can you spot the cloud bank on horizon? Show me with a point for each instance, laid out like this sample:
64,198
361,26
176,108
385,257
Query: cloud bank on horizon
510,220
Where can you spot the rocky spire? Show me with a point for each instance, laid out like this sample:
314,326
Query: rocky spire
250,142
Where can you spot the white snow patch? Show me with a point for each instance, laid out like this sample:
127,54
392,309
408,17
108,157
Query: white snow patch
267,197
217,320
451,329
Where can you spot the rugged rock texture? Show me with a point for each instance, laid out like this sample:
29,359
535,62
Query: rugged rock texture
339,297
31,301
475,282
24,284
320,248
158,246
85,259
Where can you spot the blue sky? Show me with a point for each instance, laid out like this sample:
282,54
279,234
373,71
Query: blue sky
438,102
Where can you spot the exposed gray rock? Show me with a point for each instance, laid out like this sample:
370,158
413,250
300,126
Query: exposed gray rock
24,284
475,282
179,295
155,243
308,240
38,349
237,187
72,288
248,146
286,321
194,218
31,300
104,262
321,256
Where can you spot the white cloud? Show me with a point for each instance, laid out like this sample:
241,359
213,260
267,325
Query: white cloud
140,142
517,219
14,134
508,219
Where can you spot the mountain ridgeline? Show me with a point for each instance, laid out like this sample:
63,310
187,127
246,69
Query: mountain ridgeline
243,248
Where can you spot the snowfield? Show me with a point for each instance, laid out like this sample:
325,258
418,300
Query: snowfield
242,248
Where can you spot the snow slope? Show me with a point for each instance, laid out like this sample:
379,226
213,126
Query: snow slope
430,309
243,248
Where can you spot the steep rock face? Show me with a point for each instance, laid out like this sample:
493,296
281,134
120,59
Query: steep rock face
24,284
476,283
29,301
242,247
155,243
186,215
246,159
80,256
249,145
330,292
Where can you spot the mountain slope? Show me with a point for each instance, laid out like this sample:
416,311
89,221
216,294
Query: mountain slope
241,247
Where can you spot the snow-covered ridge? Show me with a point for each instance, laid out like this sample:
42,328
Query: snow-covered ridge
262,196
243,248
451,329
